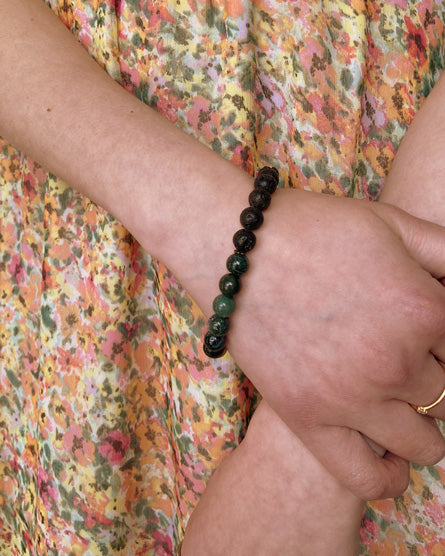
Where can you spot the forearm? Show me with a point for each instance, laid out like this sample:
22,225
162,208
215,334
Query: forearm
416,180
63,110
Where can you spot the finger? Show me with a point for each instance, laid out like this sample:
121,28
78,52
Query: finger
347,455
402,431
427,387
436,406
424,240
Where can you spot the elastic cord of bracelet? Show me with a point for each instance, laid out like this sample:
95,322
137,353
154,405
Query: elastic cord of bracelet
244,240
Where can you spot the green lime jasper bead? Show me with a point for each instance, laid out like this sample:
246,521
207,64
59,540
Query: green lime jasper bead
229,285
219,326
223,306
237,264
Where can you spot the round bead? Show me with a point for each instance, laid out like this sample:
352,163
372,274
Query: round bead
251,218
244,241
237,264
214,342
218,326
269,182
259,198
229,285
214,354
269,170
223,305
214,346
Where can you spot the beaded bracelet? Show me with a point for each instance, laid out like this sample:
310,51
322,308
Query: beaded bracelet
237,264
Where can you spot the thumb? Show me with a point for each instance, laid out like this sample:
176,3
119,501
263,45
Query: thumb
424,241
347,455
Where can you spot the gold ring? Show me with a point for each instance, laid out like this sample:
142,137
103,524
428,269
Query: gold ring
423,409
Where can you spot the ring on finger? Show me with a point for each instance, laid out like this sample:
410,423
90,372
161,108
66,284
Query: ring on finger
423,409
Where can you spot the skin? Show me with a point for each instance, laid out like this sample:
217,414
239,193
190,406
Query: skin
327,394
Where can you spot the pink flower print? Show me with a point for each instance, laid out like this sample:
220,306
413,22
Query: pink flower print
16,269
272,98
81,448
370,528
85,34
435,512
163,543
312,50
132,75
114,447
401,3
199,112
48,493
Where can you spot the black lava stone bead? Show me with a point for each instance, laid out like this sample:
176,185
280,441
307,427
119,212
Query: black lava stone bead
251,218
259,198
244,241
267,182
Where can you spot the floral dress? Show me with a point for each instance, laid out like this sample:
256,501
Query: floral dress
111,417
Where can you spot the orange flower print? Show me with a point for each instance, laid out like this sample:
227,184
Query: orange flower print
416,42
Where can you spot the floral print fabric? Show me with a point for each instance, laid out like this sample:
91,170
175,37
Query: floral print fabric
111,417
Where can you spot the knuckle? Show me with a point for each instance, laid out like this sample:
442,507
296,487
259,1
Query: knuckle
427,310
390,362
398,376
393,374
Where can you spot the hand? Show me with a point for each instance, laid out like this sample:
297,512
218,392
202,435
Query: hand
338,325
